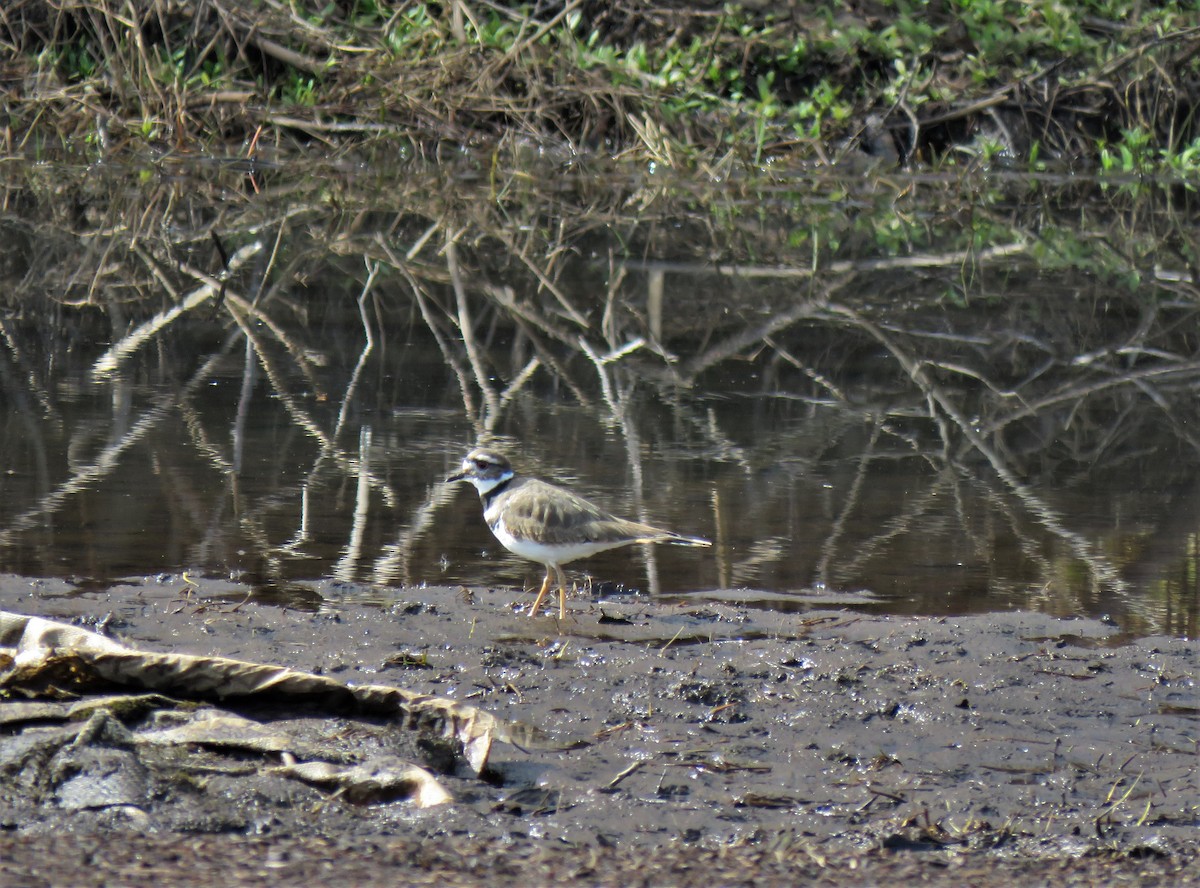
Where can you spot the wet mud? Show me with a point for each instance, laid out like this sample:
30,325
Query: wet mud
694,742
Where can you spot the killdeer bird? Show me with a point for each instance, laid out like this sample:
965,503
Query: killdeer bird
549,524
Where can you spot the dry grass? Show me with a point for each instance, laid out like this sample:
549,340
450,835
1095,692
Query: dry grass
682,85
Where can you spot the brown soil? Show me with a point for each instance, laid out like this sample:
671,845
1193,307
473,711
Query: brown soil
718,744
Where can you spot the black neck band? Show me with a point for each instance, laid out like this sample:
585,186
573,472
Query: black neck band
496,491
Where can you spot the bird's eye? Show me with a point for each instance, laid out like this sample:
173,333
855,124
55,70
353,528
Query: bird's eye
480,463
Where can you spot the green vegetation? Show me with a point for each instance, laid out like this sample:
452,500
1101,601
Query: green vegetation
972,120
1107,85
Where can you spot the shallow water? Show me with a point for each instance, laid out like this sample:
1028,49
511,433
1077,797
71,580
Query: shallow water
906,428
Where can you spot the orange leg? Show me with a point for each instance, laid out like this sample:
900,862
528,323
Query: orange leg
537,602
562,593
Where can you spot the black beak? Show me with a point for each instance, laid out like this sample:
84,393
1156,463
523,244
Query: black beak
456,477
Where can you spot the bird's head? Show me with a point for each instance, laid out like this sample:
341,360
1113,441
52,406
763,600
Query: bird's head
484,468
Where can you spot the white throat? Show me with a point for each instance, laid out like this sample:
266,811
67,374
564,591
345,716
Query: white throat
487,485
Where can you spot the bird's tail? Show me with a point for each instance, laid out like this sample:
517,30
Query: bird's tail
678,539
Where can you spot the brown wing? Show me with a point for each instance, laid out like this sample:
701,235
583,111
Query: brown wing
567,517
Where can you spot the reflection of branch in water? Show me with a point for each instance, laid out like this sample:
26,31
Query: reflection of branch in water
393,562
31,384
829,550
720,447
763,552
1030,547
258,539
1075,393
526,314
531,324
203,551
368,347
847,266
116,355
300,417
494,402
545,281
466,329
906,522
16,395
1103,572
616,403
199,435
241,307
912,521
608,322
720,542
736,342
214,541
300,538
191,501
803,307
819,378
242,414
619,413
110,457
1185,433
519,381
344,569
443,344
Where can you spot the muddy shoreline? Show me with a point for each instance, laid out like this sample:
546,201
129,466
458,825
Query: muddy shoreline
700,742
